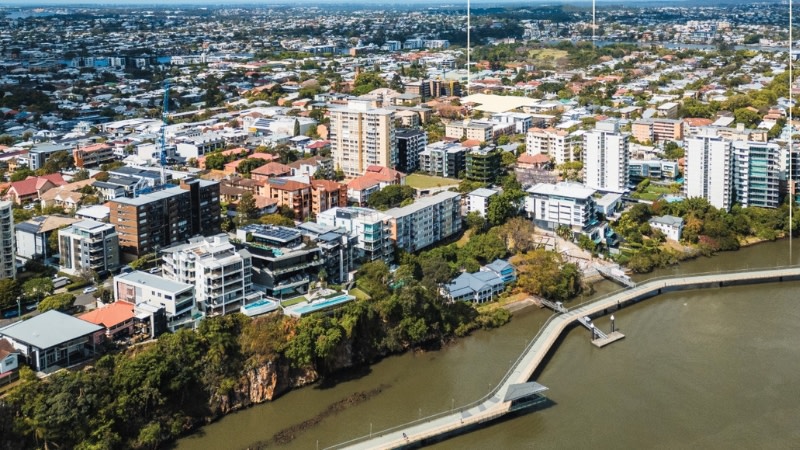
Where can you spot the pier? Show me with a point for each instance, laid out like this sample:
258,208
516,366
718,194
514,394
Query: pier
515,390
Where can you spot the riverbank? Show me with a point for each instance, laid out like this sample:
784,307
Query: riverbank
429,382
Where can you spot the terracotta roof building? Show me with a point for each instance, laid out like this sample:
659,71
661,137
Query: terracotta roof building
117,318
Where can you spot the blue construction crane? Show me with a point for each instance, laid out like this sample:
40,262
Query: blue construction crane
164,123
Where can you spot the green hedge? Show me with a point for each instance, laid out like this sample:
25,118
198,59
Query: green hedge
77,285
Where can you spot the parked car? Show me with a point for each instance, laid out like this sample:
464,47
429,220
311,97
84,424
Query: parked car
155,270
90,289
10,313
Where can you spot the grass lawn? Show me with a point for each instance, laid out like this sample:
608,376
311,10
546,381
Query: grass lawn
420,181
464,239
293,301
547,54
359,294
486,307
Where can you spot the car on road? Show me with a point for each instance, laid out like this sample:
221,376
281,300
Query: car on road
10,313
155,270
90,289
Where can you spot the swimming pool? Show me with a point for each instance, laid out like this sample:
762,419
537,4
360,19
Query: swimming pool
302,309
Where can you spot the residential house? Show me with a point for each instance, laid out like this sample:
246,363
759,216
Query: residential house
116,318
52,340
9,358
31,188
481,286
671,226
67,196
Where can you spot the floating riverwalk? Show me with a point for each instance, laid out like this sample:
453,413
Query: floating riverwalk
515,392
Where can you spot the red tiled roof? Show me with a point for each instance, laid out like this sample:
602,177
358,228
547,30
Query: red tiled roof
272,169
286,185
383,173
538,158
362,182
111,315
264,156
319,144
327,185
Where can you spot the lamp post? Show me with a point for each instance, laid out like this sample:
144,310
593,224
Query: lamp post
612,323
19,306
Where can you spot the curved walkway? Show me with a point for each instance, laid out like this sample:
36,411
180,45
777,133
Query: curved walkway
491,406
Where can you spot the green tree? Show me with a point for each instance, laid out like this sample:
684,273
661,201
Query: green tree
245,209
59,302
37,288
747,116
391,196
9,290
367,82
248,165
21,174
673,151
215,161
475,221
276,219
58,161
296,131
80,175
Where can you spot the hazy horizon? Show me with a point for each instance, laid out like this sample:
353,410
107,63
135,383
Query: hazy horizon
431,3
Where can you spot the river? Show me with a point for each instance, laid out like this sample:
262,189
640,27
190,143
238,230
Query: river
710,368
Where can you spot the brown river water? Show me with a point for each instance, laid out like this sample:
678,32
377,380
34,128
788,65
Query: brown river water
712,368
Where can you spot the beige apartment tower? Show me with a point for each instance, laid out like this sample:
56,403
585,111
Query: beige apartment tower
362,136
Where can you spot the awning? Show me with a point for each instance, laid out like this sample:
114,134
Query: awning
521,390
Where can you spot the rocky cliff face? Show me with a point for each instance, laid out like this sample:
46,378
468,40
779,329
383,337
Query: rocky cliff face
271,380
261,384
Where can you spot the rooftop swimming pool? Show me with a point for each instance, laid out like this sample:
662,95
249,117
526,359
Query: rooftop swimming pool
303,309
259,307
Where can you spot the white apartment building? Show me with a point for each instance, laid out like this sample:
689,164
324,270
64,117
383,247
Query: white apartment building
221,275
605,158
362,136
478,200
480,131
177,298
371,228
88,245
426,221
563,204
7,247
551,142
522,122
708,169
